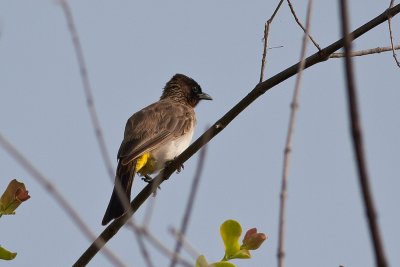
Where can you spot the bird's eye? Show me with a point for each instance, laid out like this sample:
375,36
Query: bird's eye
196,90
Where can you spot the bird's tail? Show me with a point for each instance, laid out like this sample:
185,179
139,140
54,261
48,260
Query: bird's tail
123,178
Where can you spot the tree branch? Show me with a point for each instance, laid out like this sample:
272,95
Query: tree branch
143,231
87,87
215,129
365,52
301,25
391,36
52,190
266,36
289,142
358,144
189,205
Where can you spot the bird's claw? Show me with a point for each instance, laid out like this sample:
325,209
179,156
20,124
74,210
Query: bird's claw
147,178
180,168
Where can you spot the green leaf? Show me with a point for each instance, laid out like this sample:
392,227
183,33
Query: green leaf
222,264
242,254
6,255
230,232
201,261
12,197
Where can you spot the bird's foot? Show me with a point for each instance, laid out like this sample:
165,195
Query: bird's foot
178,169
147,178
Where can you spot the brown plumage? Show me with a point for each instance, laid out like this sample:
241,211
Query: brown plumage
155,135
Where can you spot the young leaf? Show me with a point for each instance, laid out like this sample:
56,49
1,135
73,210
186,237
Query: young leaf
241,254
230,232
201,261
222,264
6,255
253,240
12,197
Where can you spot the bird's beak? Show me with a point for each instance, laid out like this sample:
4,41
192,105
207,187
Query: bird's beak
204,96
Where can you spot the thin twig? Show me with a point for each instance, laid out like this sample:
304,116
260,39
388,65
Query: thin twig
358,145
265,48
365,52
149,211
157,244
266,36
289,142
186,244
189,204
87,87
218,126
142,246
391,35
301,25
51,189
90,100
165,250
143,250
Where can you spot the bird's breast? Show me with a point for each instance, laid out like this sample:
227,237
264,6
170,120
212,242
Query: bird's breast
170,150
155,160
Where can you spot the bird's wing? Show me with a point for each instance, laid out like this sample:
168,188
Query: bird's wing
153,126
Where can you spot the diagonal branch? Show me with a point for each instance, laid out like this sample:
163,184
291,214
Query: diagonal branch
215,129
87,87
143,231
358,144
90,103
301,25
289,143
144,251
52,190
266,37
189,205
185,243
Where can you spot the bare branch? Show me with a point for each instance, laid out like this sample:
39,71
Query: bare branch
365,52
51,189
358,145
289,142
391,35
139,239
90,101
87,87
189,247
149,211
266,36
156,243
258,91
189,205
301,25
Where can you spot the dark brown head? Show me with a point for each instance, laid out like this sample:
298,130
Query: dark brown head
184,90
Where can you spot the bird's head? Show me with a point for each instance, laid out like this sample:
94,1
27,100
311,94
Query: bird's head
184,90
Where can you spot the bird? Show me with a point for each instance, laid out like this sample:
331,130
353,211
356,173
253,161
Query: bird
153,137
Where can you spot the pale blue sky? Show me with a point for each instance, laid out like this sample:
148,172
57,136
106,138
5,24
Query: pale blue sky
132,48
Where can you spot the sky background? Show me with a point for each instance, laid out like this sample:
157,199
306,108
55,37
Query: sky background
132,48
